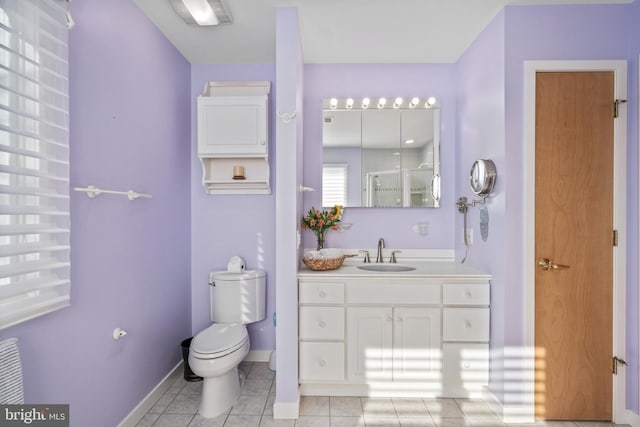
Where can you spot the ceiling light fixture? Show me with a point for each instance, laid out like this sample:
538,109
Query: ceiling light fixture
202,12
409,141
382,102
397,103
414,102
333,103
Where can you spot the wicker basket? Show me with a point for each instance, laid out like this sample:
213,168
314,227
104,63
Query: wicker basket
323,264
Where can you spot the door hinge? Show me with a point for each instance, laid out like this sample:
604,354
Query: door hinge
617,361
616,105
615,237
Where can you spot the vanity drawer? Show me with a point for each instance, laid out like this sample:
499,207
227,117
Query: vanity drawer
321,361
393,293
465,324
321,323
465,294
321,293
465,369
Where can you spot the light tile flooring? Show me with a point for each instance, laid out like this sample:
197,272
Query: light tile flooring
178,407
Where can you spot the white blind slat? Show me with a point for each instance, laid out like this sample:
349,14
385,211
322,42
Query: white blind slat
334,184
34,159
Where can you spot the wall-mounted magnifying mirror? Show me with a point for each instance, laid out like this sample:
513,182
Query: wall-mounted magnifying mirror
482,177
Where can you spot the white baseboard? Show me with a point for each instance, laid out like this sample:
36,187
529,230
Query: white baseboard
286,410
509,414
150,399
493,402
258,356
631,418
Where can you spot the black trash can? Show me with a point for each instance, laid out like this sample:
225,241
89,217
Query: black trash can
188,373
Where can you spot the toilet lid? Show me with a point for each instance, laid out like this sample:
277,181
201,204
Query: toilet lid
219,337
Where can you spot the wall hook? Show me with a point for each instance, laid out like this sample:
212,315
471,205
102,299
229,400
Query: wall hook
286,117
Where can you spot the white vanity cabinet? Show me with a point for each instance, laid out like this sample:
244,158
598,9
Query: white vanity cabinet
409,336
233,137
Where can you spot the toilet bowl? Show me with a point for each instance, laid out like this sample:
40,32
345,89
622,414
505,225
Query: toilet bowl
215,353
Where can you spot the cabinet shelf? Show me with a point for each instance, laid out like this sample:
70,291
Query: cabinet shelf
233,133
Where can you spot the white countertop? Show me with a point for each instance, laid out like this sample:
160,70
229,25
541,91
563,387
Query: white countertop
422,269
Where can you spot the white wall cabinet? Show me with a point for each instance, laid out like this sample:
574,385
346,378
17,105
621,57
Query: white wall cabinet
233,133
420,337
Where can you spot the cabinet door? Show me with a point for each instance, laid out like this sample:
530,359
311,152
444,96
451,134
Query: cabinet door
417,354
369,345
232,125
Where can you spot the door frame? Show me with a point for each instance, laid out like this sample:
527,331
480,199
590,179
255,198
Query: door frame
619,68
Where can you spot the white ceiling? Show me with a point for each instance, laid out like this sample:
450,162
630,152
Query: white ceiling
340,31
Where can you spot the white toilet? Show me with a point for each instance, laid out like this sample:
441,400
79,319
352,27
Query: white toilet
236,299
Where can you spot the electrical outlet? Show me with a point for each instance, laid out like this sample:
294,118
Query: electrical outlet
470,236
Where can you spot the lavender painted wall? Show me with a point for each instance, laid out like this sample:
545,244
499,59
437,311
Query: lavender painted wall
633,321
129,120
480,134
551,32
538,33
226,225
375,80
289,75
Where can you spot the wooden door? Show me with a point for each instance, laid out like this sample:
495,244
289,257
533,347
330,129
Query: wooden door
574,226
416,344
369,341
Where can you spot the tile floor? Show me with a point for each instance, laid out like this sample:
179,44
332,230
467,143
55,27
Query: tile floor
178,407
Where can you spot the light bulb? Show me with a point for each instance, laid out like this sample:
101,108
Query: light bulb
430,102
382,102
414,102
365,103
397,103
333,103
350,103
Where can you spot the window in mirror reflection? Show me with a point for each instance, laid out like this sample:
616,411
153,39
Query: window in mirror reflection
334,184
389,156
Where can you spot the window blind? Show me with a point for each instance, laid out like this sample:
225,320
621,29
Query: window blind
34,159
334,184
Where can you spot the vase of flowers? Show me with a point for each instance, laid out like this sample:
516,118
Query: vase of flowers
319,221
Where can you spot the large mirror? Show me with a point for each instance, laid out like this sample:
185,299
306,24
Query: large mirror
382,154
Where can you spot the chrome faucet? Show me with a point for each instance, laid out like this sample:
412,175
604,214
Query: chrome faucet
380,247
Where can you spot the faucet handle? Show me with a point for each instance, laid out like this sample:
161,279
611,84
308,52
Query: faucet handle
393,256
366,255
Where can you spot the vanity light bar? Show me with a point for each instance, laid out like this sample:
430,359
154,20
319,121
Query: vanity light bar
381,103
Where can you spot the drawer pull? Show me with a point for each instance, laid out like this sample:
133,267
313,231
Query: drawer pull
468,293
322,324
322,363
466,365
322,294
467,324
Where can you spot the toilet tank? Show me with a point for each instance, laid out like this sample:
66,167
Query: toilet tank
237,297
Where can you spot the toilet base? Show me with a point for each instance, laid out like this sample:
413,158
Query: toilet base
219,394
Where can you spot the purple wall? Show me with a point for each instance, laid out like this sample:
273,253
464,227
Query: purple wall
226,225
130,260
375,80
536,33
543,33
633,321
480,131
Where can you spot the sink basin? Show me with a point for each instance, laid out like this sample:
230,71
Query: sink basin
385,267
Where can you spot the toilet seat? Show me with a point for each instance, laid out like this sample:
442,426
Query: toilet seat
219,340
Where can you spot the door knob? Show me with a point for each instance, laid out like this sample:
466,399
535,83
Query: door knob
546,264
